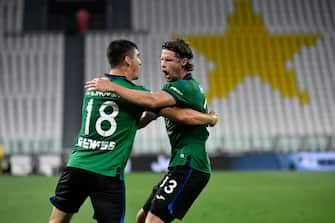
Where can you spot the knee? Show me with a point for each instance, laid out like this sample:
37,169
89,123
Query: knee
141,215
58,216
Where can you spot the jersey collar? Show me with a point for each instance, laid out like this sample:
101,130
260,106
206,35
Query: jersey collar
110,76
188,76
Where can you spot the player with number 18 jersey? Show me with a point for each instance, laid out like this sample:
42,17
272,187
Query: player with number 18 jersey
108,130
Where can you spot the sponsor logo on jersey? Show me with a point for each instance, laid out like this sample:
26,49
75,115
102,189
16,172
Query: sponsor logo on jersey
92,144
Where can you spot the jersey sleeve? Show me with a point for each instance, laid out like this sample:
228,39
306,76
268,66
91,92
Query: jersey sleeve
179,91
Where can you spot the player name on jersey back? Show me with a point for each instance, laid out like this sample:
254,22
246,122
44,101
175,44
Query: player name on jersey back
92,144
102,94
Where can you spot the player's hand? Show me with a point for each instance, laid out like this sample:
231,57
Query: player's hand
214,118
99,84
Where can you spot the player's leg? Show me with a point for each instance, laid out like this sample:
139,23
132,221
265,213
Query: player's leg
176,194
70,194
157,205
58,216
108,199
193,184
141,215
151,218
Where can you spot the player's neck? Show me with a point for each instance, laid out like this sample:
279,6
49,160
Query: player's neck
183,74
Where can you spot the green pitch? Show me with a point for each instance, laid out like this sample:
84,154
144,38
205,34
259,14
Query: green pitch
232,197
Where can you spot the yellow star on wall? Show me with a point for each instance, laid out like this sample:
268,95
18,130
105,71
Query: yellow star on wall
247,49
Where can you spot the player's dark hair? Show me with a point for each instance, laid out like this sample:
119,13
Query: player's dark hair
181,49
118,50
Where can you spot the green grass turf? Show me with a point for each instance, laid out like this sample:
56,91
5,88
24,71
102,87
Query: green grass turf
232,197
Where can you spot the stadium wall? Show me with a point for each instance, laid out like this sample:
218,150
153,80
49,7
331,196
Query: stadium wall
51,164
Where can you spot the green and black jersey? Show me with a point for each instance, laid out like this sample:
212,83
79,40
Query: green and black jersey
107,133
188,142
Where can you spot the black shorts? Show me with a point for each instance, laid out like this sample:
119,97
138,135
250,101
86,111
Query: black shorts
175,193
107,194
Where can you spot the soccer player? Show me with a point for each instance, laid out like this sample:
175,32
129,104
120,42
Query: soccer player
189,167
95,168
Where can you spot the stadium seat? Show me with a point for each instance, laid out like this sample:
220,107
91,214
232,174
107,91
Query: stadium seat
265,65
32,92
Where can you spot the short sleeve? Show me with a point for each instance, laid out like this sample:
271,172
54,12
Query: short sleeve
178,90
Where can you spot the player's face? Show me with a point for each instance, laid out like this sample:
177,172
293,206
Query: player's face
171,65
135,65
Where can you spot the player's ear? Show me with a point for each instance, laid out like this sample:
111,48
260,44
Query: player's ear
184,61
127,60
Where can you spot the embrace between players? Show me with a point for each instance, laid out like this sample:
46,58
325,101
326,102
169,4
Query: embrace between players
113,109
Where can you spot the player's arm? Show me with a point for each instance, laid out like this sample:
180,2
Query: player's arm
182,115
146,118
146,99
189,116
